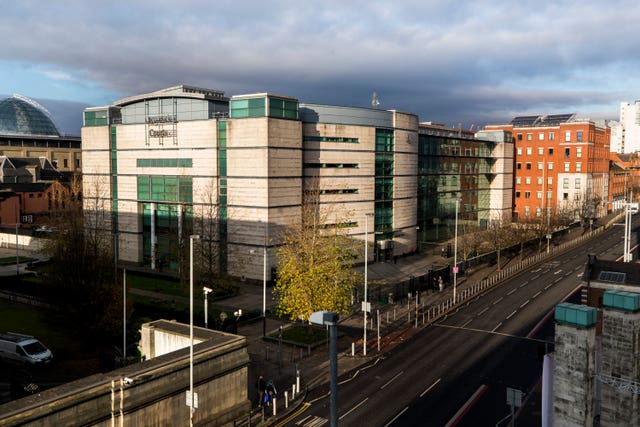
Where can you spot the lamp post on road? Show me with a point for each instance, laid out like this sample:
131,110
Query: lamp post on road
206,291
365,306
455,253
330,319
192,400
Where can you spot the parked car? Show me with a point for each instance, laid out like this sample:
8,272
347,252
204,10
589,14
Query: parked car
43,229
24,349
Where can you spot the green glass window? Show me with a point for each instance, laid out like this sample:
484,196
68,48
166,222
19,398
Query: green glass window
241,108
164,163
96,118
384,140
384,164
222,133
113,139
222,163
186,189
282,108
144,188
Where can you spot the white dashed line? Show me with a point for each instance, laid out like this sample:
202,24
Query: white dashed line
524,303
512,313
536,294
430,387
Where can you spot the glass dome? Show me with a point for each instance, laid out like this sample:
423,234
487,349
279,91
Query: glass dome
23,116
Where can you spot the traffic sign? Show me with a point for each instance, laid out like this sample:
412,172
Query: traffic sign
455,269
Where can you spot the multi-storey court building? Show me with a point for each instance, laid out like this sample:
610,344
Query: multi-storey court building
562,167
187,160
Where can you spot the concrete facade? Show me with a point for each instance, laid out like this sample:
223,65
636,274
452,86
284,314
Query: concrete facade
620,401
186,160
156,396
574,376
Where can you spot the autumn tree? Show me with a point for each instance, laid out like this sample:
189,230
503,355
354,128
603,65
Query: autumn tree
315,263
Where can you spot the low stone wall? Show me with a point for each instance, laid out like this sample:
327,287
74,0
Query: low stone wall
156,394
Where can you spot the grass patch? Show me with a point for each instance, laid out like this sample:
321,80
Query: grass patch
156,284
12,260
303,335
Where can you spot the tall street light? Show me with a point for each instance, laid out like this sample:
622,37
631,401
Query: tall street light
264,282
330,319
192,399
455,253
365,306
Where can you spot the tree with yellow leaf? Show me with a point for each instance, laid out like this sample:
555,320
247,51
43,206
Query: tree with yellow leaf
315,264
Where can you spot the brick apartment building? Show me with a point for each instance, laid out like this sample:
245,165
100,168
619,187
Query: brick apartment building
561,167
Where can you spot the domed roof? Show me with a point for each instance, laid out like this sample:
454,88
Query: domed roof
20,115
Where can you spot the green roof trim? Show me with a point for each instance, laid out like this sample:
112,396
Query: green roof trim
621,300
580,316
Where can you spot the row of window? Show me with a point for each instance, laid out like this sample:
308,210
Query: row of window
315,138
567,166
164,163
527,180
331,165
340,191
567,151
551,136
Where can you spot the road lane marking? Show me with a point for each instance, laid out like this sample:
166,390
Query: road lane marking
467,406
536,294
466,323
511,291
389,382
557,280
548,286
535,277
293,415
353,409
524,303
430,387
396,417
498,300
494,329
557,272
483,311
511,315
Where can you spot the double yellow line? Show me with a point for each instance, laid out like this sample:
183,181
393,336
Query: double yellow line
293,415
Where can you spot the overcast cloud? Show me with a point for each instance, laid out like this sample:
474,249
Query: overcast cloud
449,62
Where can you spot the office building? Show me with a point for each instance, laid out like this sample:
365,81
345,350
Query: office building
185,160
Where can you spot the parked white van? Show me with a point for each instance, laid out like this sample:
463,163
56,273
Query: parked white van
23,349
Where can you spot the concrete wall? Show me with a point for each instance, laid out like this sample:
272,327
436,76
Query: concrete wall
157,395
620,349
574,376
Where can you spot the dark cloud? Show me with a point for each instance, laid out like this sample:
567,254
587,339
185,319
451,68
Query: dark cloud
476,62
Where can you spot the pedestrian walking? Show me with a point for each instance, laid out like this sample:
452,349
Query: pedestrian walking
271,392
261,386
440,283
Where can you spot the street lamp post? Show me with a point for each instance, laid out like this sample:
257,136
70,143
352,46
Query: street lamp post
264,283
455,253
192,398
206,291
330,319
365,306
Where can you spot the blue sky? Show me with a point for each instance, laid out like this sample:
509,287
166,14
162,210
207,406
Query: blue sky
473,62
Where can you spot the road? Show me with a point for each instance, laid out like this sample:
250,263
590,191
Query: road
456,372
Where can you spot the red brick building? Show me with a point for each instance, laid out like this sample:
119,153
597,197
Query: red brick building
561,167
